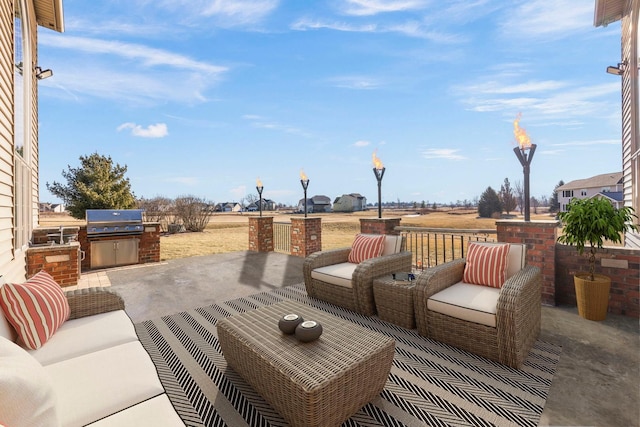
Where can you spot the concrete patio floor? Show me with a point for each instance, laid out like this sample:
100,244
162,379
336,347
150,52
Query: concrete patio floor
597,381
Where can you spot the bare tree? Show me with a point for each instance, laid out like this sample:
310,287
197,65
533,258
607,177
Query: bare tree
507,197
194,212
535,203
157,210
519,193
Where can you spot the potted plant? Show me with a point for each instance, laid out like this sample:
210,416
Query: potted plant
589,223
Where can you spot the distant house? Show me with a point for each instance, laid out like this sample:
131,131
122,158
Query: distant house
609,185
316,204
228,207
350,203
267,205
51,207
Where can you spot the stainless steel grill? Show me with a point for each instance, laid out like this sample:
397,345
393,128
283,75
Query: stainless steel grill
114,222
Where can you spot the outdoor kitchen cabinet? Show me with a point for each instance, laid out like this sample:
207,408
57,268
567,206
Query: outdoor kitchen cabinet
108,253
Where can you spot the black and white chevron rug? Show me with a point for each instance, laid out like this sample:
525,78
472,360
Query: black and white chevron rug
430,383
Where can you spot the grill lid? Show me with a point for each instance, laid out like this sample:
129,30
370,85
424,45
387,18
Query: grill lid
114,221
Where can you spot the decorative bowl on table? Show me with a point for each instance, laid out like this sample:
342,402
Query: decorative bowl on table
308,331
289,322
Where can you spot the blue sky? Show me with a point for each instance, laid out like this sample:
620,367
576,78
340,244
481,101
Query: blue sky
203,97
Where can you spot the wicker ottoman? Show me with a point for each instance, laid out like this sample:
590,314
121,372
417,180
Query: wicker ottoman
394,301
321,383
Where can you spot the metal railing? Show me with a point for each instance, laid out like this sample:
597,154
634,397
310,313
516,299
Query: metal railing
433,246
282,237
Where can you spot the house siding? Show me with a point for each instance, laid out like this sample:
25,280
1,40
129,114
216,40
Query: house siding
630,121
13,261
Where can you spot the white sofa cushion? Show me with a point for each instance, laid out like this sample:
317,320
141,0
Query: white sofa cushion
336,274
102,383
473,303
85,335
156,412
27,396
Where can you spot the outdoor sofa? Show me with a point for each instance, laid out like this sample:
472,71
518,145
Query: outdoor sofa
91,370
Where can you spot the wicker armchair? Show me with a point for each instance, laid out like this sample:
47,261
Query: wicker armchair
517,314
356,291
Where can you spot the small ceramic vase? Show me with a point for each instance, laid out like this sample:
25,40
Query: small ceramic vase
288,323
308,331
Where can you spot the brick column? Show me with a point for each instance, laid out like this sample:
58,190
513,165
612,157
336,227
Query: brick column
306,236
540,238
149,247
379,225
261,234
60,261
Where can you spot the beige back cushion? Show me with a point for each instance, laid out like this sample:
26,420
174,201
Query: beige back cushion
516,258
392,244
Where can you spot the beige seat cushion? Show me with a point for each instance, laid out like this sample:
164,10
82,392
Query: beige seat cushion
100,384
156,412
336,274
473,303
85,335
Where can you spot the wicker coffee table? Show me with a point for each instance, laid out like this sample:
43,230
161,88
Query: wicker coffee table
321,383
394,301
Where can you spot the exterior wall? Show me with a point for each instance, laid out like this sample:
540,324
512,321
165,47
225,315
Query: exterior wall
13,260
622,265
540,239
630,112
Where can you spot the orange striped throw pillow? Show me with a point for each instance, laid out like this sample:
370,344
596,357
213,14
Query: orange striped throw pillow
365,247
486,265
36,308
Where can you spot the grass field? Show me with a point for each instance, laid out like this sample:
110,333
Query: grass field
229,232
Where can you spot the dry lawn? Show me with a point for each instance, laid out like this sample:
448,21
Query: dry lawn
229,232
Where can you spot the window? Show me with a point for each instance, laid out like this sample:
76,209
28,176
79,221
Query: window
21,128
583,193
567,193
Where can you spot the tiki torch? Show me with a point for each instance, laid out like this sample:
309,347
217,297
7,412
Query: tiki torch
304,181
378,171
524,152
259,187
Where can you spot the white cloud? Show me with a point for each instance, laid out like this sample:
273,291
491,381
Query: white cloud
355,82
159,130
442,153
588,143
361,144
410,29
147,56
258,121
548,19
374,7
226,13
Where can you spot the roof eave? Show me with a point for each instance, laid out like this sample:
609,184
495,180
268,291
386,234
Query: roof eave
49,14
607,11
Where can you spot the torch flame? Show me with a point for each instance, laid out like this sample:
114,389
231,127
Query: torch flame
258,183
303,176
522,138
377,163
